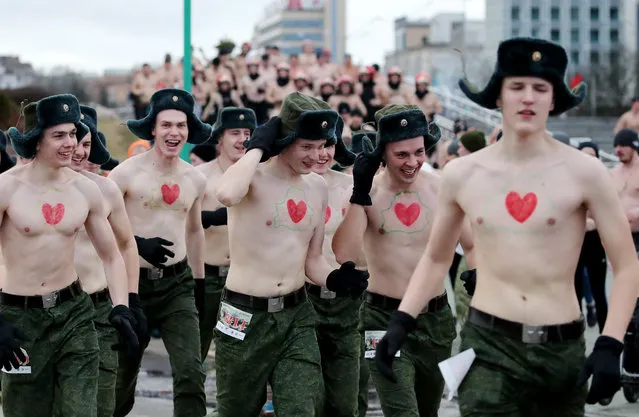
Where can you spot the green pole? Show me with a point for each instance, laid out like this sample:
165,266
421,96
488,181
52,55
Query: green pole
186,64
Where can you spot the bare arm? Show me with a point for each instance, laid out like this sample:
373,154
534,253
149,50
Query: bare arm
119,221
607,212
316,267
235,183
437,257
195,235
621,123
348,239
103,240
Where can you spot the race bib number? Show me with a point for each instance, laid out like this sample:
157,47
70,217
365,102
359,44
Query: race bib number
233,321
371,339
24,368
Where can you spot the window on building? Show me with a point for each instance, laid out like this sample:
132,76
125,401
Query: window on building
594,14
514,32
554,35
534,13
594,57
574,14
574,35
594,36
614,57
614,35
535,32
514,13
574,57
614,14
554,13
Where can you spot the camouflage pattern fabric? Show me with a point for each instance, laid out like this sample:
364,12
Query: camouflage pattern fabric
213,287
277,348
169,305
340,349
419,388
512,378
108,368
462,299
364,378
63,360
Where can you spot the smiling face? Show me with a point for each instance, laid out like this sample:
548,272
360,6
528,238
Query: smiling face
325,162
171,132
57,144
526,103
231,143
81,154
303,154
404,159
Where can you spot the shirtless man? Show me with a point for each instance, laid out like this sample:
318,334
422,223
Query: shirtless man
232,128
626,179
526,197
163,197
89,267
337,333
390,216
277,210
44,309
630,119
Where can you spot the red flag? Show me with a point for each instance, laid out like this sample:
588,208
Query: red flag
294,4
576,80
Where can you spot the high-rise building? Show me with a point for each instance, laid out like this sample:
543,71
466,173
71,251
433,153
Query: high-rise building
288,23
591,31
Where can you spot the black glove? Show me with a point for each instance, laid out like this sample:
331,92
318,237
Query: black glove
153,251
199,297
214,218
470,280
364,170
141,325
10,353
604,366
122,319
399,326
264,138
348,279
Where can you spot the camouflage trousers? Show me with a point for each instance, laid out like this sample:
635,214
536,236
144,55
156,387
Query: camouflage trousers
108,368
62,372
419,388
516,379
213,286
254,347
340,349
169,305
462,299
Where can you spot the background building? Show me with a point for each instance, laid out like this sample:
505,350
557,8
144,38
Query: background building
429,46
15,74
287,23
592,31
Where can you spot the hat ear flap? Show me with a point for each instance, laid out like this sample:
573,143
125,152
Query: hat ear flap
580,91
434,131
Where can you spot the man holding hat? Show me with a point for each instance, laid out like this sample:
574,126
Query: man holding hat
390,216
277,212
337,333
89,267
163,198
526,197
46,320
233,127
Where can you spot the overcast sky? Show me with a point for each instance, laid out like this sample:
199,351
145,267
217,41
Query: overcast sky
102,34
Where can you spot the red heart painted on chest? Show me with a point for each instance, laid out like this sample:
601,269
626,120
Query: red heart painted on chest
296,211
328,214
53,215
170,193
521,208
407,214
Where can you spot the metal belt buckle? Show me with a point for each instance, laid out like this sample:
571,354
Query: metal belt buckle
327,294
156,273
533,334
223,271
275,304
49,300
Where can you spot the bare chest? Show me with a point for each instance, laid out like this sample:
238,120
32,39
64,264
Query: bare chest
626,183
336,209
56,211
210,201
405,216
168,193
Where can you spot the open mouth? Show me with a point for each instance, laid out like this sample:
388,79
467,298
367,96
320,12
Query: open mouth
172,143
409,172
308,165
76,160
65,155
527,113
323,161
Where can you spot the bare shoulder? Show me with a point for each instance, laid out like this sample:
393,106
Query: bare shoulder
9,182
344,180
315,181
456,170
107,186
86,186
585,167
198,178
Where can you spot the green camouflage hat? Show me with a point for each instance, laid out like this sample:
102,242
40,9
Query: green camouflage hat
306,117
